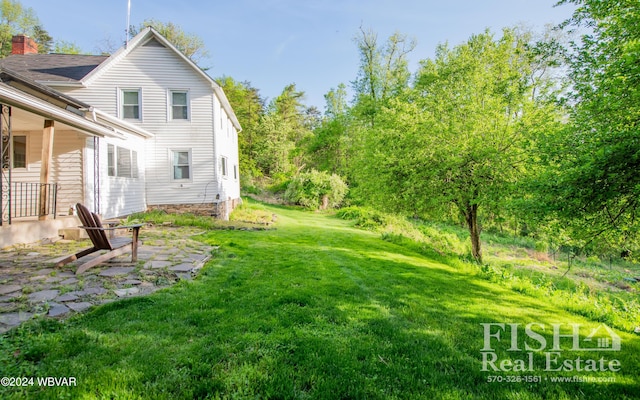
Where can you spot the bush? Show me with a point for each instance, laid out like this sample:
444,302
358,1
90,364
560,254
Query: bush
365,218
316,190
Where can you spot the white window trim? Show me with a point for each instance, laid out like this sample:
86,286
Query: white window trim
121,91
172,177
170,105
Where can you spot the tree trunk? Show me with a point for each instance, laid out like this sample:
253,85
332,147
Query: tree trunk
325,202
471,217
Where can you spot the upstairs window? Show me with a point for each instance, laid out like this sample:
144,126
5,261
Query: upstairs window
181,164
131,103
179,100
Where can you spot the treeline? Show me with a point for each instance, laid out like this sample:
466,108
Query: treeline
533,133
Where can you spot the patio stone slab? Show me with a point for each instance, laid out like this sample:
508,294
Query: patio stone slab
184,267
185,276
160,264
95,290
6,289
126,292
7,307
115,271
45,271
43,295
57,310
67,297
80,306
13,319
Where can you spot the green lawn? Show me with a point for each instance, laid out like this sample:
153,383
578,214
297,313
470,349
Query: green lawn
312,309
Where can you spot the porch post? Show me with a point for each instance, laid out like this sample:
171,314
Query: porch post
45,170
5,164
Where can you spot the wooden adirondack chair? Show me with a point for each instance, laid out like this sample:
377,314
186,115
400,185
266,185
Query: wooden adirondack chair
101,241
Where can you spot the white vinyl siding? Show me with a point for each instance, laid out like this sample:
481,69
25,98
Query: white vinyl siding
157,72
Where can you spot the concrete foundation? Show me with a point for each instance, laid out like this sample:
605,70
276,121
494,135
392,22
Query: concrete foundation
34,231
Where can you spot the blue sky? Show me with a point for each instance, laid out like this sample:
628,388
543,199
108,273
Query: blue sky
272,43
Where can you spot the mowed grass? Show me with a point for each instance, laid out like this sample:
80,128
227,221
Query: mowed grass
313,309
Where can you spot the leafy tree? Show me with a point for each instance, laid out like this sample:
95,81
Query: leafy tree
597,187
44,40
274,146
17,19
64,47
458,137
190,45
295,124
328,148
316,190
249,107
383,71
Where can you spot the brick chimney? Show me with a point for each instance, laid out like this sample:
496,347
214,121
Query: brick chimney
22,44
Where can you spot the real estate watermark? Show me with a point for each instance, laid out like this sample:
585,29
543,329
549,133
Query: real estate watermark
550,348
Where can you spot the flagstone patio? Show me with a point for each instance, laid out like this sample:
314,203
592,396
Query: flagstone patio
31,287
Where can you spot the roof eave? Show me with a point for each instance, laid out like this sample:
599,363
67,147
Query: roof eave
15,98
62,84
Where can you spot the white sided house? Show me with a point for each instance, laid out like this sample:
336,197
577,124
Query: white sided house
170,140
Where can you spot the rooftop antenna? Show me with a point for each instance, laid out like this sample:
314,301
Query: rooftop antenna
126,42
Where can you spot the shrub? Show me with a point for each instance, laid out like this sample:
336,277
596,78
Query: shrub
365,218
316,190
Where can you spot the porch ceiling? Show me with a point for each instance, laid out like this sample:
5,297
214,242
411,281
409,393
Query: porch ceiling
22,120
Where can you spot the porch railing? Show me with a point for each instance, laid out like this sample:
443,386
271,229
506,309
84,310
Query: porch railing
33,199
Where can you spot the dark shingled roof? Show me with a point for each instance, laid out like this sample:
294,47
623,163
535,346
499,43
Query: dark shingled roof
52,67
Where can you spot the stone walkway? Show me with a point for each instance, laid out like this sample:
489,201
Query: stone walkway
30,286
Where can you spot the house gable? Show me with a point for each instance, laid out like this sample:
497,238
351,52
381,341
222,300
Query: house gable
149,37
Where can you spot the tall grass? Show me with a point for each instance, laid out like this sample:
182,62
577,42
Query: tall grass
580,293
